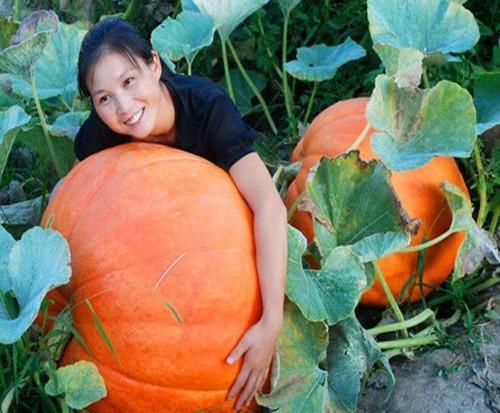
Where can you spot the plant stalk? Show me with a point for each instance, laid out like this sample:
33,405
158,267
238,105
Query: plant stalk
41,115
252,86
390,297
408,342
481,186
311,101
494,220
412,322
426,79
286,89
360,138
16,11
427,244
226,69
268,51
294,206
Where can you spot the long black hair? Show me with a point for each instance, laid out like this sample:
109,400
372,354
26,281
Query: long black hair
113,35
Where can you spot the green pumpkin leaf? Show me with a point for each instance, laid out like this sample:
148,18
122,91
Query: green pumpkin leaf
352,353
228,14
51,77
80,384
320,62
36,263
430,26
404,65
477,244
298,383
243,95
417,125
487,100
288,5
184,36
329,294
355,203
22,213
10,122
20,58
36,22
68,124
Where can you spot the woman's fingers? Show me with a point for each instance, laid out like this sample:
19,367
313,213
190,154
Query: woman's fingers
240,381
248,392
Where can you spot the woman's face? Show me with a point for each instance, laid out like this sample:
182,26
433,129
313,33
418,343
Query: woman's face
130,99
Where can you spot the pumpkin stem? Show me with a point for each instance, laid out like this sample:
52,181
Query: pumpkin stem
390,297
360,138
408,342
412,322
226,69
427,244
481,187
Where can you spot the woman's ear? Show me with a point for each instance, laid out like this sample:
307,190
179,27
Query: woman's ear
155,64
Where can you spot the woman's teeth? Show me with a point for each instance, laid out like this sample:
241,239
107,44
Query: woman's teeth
135,118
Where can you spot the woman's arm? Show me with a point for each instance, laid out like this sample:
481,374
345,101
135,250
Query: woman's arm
270,231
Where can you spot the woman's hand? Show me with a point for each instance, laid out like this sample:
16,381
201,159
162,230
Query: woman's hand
258,348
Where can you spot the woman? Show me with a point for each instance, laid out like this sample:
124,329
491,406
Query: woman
135,98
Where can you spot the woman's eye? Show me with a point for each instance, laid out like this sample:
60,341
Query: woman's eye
128,81
103,99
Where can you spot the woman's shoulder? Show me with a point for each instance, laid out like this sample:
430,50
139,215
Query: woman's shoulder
197,90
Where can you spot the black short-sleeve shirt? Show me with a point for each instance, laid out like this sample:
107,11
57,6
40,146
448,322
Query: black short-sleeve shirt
207,123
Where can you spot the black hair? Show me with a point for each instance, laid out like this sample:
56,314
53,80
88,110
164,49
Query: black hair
115,35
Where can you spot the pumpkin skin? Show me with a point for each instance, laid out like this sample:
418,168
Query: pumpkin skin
331,133
149,225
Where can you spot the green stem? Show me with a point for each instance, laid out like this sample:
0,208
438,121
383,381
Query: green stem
484,285
294,206
41,115
494,220
189,66
426,79
226,69
427,244
311,101
360,138
268,51
481,187
286,90
412,322
252,86
390,296
408,342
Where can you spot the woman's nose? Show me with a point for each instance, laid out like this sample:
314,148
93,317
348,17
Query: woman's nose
123,103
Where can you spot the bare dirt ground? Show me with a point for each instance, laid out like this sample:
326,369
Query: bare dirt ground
462,378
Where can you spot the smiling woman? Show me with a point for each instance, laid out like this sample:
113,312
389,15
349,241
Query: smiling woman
136,98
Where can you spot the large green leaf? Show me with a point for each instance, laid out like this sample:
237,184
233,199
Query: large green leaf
417,125
320,62
28,43
354,202
431,26
36,263
243,95
331,293
477,244
22,213
184,36
10,122
68,124
352,353
228,14
52,78
20,58
298,384
404,65
487,100
80,384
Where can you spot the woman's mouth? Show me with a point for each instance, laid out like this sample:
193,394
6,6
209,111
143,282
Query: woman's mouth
135,118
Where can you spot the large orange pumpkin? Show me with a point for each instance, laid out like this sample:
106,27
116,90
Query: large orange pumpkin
331,133
162,248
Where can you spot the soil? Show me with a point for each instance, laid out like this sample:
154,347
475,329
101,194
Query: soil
462,378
